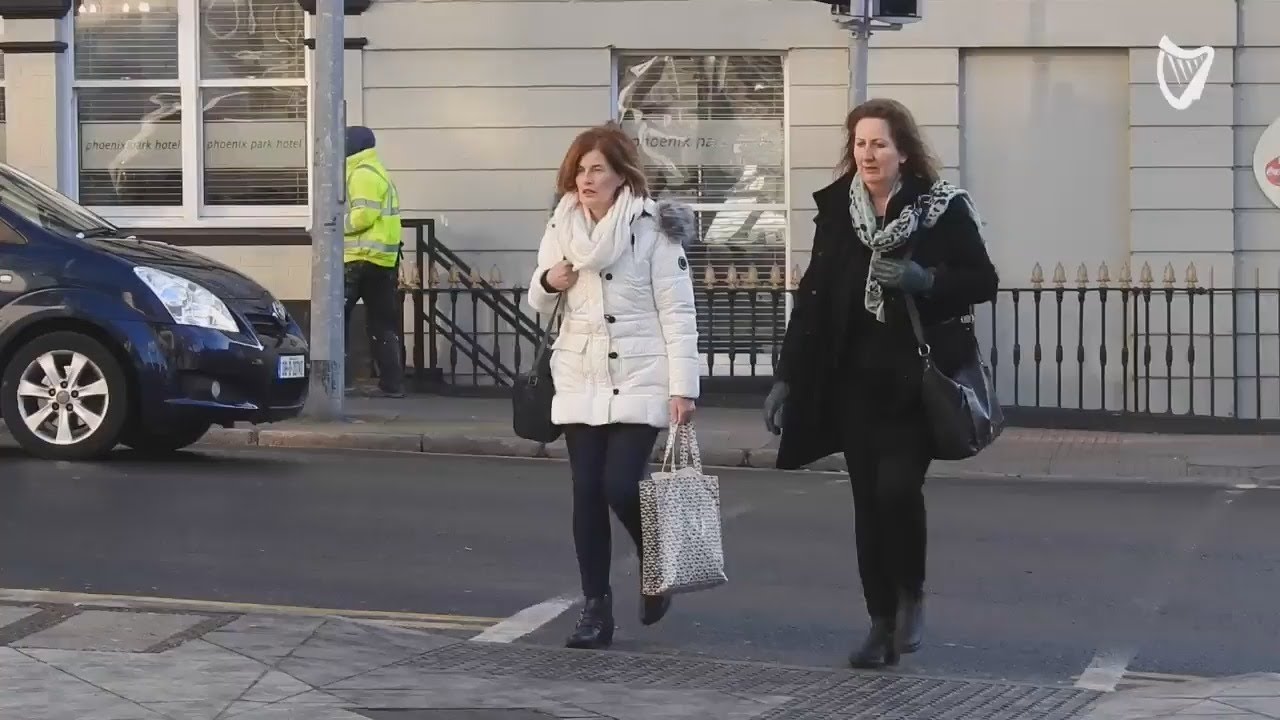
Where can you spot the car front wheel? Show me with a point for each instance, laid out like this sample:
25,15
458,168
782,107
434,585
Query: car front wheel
65,397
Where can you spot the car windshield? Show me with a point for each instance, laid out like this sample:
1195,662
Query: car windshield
39,204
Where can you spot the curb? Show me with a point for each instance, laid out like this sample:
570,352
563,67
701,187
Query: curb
712,457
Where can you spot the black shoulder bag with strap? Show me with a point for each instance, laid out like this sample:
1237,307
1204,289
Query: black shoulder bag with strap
531,397
963,411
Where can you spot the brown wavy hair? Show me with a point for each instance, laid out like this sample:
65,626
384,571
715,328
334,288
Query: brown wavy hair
920,162
618,149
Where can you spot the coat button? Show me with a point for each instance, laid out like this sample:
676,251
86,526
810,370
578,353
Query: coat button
613,356
616,391
610,318
608,276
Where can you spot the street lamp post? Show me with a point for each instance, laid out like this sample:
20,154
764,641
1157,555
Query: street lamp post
328,346
871,14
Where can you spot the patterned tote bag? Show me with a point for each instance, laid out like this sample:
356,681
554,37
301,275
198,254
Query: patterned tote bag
680,519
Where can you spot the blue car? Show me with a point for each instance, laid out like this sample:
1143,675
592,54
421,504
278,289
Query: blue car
107,339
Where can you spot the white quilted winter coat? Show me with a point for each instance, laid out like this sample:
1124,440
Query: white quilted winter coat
629,341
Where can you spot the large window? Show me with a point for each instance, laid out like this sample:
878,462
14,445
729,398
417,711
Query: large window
191,108
710,129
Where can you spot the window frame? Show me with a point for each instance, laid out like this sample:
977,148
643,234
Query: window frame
784,208
193,212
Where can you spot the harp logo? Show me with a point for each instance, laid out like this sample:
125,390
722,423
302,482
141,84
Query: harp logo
1189,70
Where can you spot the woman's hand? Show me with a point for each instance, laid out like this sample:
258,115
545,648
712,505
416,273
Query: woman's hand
562,276
905,275
682,409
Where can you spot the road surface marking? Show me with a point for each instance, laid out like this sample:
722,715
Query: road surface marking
527,620
534,617
132,602
1109,665
1105,671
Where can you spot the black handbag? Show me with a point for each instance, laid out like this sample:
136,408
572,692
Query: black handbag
531,397
963,411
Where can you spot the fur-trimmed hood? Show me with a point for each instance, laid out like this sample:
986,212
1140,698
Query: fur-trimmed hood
677,221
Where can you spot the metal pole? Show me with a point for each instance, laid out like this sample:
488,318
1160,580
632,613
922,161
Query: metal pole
328,349
859,41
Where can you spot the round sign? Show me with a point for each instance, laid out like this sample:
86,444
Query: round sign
1266,163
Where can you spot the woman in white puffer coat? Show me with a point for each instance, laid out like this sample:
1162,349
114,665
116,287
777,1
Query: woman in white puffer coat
625,364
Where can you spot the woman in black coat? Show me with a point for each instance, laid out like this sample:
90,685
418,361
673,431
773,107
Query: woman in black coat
848,379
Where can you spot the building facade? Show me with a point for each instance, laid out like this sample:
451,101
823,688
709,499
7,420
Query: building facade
188,119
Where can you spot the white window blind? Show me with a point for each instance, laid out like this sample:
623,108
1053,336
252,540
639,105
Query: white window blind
128,102
239,70
710,129
255,134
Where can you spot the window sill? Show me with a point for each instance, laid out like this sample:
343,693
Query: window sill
255,219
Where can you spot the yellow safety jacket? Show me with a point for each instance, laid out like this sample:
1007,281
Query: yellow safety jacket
372,229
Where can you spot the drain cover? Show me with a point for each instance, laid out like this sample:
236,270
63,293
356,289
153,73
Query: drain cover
818,694
456,714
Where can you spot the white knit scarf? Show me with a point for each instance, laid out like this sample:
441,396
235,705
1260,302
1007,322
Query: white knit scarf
593,249
924,212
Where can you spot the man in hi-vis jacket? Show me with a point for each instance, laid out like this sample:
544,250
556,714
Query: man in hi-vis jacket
371,255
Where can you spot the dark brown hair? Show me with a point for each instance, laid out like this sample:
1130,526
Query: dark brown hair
906,135
619,150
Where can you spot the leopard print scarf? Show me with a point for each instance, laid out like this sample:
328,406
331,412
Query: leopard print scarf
924,212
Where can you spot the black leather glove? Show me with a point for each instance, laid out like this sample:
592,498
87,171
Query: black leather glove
905,275
773,405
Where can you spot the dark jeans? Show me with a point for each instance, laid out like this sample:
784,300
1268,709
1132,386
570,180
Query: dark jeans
377,285
607,462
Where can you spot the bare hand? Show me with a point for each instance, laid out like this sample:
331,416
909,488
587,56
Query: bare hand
682,409
562,276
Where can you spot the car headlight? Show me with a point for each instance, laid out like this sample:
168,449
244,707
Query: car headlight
189,303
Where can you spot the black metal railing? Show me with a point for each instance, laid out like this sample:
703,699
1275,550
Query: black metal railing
1088,348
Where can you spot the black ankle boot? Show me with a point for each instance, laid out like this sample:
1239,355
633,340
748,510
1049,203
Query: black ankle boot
653,608
910,632
594,630
879,648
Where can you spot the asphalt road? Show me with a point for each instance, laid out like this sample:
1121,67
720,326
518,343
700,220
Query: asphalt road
1028,581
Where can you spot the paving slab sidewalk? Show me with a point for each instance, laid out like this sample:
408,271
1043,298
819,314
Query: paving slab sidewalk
733,437
113,663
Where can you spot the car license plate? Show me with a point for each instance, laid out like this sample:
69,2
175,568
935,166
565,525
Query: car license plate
292,367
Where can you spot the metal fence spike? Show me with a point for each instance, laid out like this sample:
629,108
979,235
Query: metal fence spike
1193,278
1082,276
776,280
753,277
1037,276
1104,274
433,276
1059,275
495,276
455,278
795,276
1170,277
1145,277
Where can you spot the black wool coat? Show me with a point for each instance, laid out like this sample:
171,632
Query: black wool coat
842,365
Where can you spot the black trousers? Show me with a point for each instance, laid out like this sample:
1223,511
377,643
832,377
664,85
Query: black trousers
607,462
889,526
376,285
888,455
